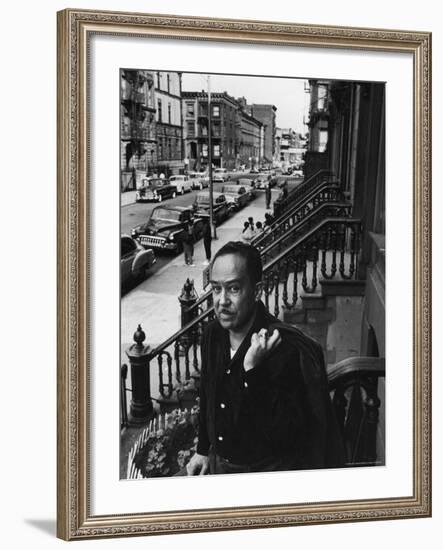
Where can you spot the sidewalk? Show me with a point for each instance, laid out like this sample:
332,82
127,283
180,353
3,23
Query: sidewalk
128,197
154,303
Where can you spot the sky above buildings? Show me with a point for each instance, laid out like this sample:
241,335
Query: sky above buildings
287,94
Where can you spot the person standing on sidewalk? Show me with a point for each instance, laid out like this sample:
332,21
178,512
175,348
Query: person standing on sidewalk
188,244
207,238
268,195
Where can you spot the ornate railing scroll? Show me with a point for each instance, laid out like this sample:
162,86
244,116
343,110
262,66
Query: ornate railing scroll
354,384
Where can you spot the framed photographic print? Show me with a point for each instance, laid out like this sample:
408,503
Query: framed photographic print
244,274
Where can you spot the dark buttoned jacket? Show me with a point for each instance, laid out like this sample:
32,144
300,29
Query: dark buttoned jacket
277,413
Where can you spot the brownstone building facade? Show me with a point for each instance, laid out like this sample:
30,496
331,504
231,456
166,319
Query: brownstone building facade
196,129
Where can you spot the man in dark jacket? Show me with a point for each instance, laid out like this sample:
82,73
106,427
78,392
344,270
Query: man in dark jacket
264,401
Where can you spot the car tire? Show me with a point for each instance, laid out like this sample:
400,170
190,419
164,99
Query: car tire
174,194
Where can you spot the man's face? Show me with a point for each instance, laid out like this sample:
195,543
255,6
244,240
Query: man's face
234,294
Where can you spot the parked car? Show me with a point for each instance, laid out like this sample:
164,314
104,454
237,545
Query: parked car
297,173
135,260
220,175
182,183
261,181
199,180
220,207
236,196
155,189
165,226
249,186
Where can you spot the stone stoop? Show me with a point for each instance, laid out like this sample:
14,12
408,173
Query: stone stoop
312,317
332,316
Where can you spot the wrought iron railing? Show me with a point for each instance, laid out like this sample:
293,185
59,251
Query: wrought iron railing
299,192
323,193
354,385
330,244
326,210
184,352
329,247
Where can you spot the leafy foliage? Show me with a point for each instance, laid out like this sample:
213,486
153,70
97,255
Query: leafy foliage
169,447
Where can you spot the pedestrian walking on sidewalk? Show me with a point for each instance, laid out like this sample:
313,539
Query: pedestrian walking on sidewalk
268,195
207,238
188,244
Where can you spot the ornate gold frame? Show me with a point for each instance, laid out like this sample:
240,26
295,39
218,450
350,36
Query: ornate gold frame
74,29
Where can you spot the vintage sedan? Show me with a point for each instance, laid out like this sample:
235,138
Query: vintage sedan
236,196
155,189
199,180
219,205
135,260
249,186
220,175
165,227
183,184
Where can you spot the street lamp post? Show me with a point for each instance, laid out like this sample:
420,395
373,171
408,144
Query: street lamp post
211,185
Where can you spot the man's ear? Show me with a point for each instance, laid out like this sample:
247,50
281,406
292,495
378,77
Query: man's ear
258,291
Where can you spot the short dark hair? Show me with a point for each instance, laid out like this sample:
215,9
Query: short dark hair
246,251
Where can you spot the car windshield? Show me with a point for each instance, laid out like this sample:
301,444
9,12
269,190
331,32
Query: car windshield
203,199
165,214
176,178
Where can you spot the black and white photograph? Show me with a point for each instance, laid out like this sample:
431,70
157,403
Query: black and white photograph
252,273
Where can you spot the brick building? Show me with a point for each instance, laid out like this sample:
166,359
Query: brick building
266,114
196,129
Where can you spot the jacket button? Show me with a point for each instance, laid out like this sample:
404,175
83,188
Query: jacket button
220,438
246,384
228,371
222,405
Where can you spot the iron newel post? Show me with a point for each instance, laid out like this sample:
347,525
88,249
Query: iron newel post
141,405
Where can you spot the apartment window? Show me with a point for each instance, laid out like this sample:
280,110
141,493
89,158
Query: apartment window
190,109
216,110
159,110
216,150
205,150
323,141
190,129
322,97
169,113
158,81
168,81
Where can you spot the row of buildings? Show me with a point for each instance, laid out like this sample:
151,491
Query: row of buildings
167,130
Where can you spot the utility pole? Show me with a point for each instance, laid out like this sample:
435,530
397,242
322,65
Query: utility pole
211,185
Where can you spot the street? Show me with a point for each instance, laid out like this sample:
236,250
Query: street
134,214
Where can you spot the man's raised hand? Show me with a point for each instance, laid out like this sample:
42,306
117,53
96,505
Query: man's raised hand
261,345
